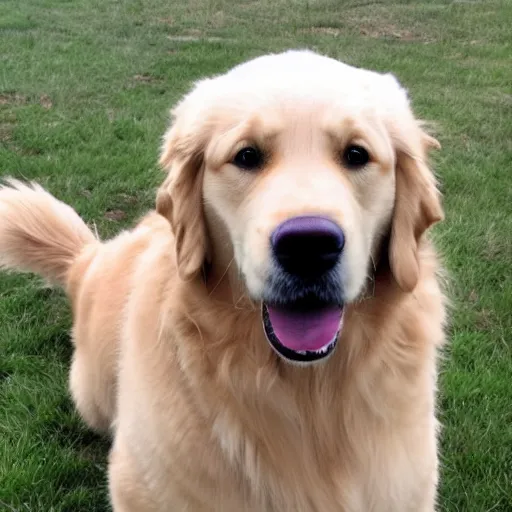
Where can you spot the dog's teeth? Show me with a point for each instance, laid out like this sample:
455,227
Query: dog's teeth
325,349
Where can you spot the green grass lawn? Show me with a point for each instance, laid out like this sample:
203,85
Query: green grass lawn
85,89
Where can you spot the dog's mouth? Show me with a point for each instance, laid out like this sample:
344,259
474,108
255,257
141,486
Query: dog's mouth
302,335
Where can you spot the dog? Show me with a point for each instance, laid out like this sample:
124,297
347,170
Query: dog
267,339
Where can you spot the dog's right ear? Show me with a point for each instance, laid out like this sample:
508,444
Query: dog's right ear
179,199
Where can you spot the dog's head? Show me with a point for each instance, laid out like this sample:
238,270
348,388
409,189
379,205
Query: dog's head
296,167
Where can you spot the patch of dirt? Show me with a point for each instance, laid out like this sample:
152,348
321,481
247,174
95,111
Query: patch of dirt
138,80
147,79
500,98
218,20
6,132
387,32
115,215
128,199
372,30
496,247
484,320
215,19
166,21
465,141
13,98
45,101
327,31
193,38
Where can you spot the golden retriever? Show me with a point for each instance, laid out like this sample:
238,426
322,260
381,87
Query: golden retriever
267,339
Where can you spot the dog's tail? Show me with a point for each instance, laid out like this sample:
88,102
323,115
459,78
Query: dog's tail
39,233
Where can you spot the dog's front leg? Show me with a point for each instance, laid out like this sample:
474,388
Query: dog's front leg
128,490
131,490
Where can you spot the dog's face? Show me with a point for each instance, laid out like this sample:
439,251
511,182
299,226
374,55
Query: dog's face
295,167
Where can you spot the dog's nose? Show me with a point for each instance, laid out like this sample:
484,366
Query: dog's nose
307,246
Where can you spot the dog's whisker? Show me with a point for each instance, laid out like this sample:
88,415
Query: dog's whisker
221,277
244,297
373,263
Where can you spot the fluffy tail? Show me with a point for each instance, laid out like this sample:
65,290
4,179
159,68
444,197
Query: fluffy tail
38,233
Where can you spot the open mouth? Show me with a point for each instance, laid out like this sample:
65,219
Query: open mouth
302,335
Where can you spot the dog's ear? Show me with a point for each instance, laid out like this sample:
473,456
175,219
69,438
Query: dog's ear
179,199
417,205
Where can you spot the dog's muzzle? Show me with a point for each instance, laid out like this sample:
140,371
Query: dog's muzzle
303,304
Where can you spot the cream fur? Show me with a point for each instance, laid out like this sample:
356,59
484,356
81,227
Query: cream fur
204,415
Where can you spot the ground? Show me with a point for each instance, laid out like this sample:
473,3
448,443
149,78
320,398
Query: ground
85,89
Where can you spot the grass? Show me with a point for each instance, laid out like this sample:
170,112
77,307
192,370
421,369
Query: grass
85,87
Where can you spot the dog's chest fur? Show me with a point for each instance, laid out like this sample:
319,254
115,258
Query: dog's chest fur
324,438
301,460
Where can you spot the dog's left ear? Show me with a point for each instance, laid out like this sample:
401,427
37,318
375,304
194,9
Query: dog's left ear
417,205
179,199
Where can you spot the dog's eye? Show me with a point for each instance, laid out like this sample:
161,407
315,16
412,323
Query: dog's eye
356,156
248,158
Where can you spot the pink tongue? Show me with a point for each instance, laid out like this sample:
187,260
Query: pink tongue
305,330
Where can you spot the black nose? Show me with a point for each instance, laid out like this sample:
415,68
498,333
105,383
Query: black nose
307,247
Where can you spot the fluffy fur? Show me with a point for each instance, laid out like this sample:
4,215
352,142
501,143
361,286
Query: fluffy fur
170,354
